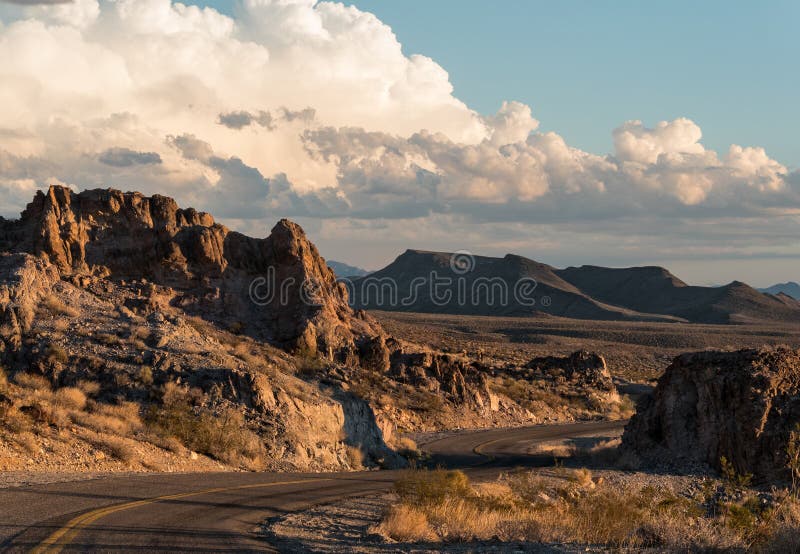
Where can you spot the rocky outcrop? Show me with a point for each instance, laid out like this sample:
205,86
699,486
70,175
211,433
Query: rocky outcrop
708,405
24,282
278,288
581,368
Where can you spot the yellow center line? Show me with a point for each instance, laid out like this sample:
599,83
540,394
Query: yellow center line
64,536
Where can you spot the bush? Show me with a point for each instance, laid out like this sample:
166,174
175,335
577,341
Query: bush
57,307
221,435
56,354
122,449
31,382
71,397
405,523
423,486
407,447
355,457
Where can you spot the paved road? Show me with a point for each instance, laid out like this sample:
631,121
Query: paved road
221,512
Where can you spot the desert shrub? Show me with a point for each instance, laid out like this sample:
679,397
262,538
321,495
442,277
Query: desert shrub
122,449
355,456
731,476
56,306
15,420
71,397
407,447
581,510
107,339
221,435
46,412
423,486
146,375
56,354
32,382
117,419
61,325
3,381
89,388
405,523
27,442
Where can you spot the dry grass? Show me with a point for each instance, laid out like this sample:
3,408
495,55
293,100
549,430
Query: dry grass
121,419
121,448
32,382
56,354
222,434
443,506
406,447
71,397
404,523
56,306
355,457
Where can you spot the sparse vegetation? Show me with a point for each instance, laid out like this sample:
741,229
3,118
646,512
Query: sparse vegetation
221,434
580,509
58,308
355,456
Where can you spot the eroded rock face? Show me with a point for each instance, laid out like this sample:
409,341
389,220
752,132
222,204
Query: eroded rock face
740,405
582,368
24,282
277,288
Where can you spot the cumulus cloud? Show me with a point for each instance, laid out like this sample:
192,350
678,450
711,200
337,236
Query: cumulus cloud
36,2
312,110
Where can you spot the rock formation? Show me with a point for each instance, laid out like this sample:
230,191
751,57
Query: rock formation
24,281
708,405
140,298
582,368
277,288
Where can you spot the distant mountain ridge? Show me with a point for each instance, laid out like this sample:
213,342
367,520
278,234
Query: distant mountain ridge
342,269
789,289
586,292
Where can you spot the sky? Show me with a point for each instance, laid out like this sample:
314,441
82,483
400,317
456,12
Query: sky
611,133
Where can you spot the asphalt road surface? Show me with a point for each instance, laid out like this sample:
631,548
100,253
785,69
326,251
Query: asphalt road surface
222,512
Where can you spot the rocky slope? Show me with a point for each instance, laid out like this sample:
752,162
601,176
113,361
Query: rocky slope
708,405
214,273
136,330
419,281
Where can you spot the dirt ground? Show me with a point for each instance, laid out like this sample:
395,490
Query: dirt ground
635,351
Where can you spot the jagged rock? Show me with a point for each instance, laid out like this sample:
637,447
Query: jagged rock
24,281
708,405
278,288
581,367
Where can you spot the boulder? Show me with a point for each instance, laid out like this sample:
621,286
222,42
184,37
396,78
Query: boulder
708,405
581,368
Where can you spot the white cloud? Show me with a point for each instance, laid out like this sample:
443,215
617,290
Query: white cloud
311,109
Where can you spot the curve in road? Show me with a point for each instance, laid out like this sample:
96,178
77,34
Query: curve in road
222,512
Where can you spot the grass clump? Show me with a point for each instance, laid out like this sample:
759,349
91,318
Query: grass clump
56,307
221,434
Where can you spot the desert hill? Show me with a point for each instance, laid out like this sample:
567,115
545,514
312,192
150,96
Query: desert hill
587,292
140,334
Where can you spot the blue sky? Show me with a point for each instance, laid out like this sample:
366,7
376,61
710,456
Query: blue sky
327,115
586,66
